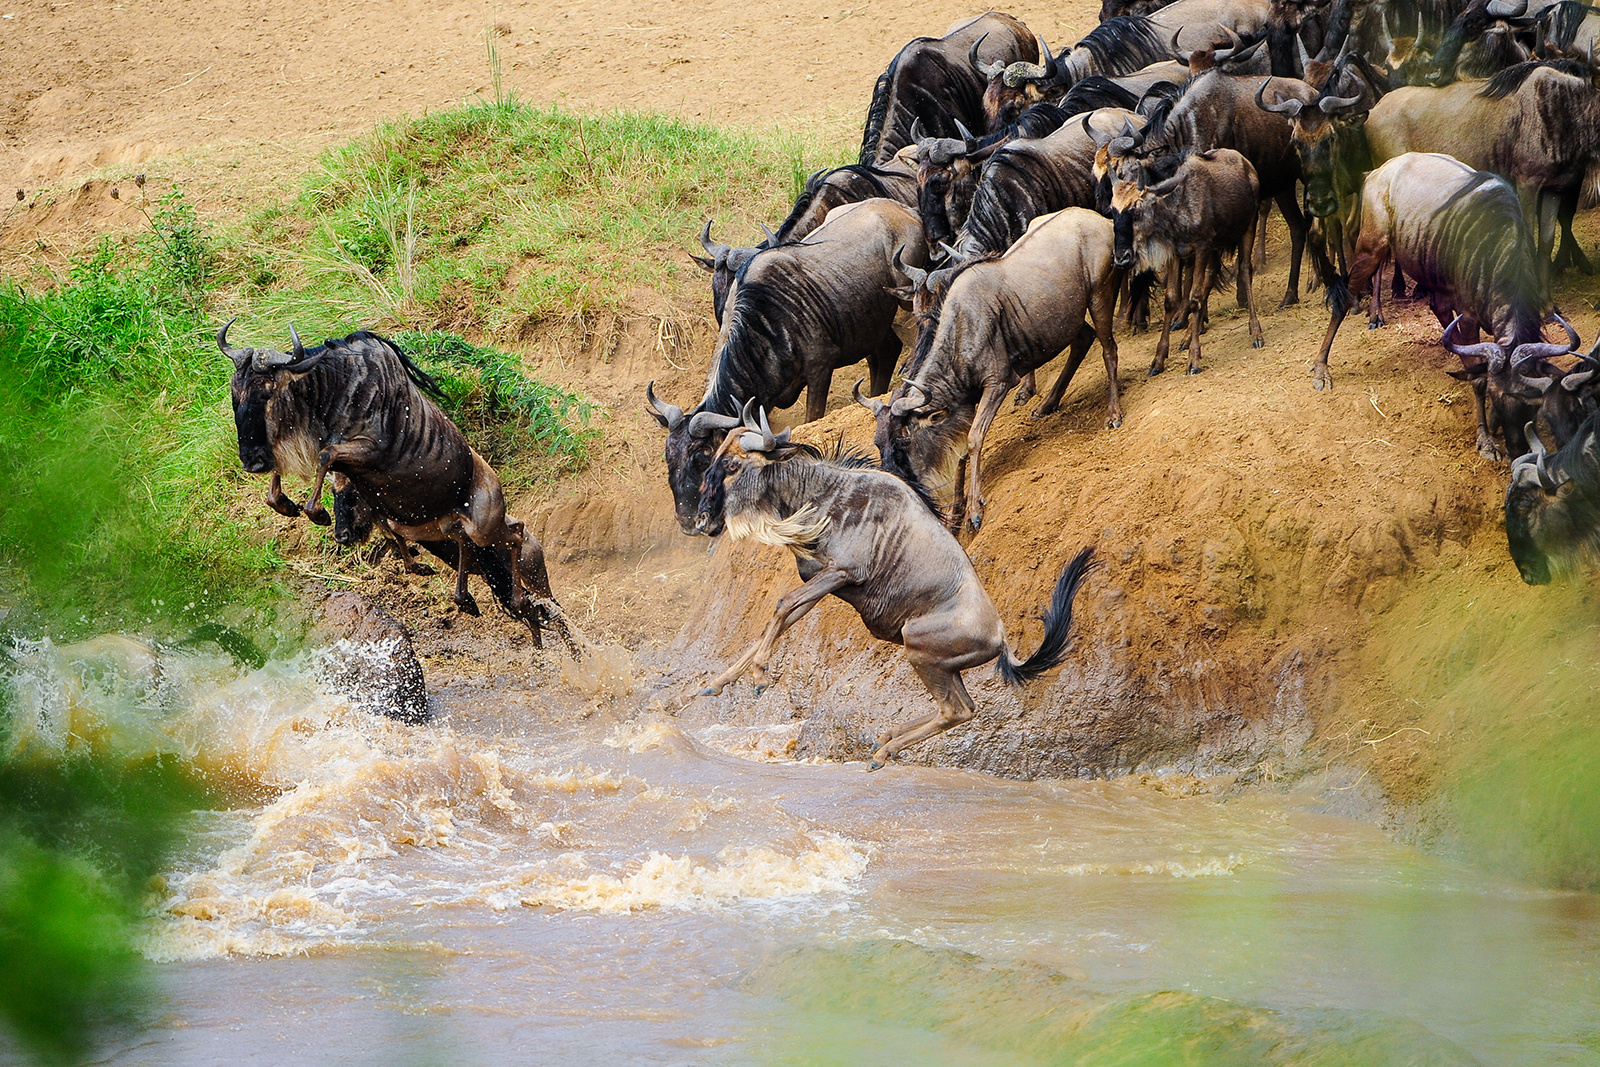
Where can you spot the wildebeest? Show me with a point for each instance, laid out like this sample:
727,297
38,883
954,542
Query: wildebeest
866,537
998,320
1553,503
934,79
1029,178
1206,210
357,407
1462,235
794,314
1537,124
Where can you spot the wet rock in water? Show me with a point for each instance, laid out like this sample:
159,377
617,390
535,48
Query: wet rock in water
368,657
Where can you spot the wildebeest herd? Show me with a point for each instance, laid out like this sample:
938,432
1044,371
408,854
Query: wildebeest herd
1019,203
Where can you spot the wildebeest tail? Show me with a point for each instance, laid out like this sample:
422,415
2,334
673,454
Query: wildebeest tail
1057,624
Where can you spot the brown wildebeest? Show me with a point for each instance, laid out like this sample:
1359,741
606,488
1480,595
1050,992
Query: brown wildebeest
357,407
870,539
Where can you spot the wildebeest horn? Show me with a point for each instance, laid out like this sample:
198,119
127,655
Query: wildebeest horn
871,403
772,238
915,275
240,356
713,249
707,423
1282,107
1542,349
1488,351
1330,104
667,415
914,397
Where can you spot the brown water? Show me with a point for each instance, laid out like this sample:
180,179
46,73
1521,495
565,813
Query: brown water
517,885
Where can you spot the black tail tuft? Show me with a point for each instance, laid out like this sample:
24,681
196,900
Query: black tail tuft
1057,623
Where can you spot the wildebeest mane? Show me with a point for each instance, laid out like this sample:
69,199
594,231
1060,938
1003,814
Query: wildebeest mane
422,378
815,183
1469,229
764,324
1124,44
1510,80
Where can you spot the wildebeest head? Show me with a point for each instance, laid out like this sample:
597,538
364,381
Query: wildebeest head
692,444
260,375
1013,87
1491,368
725,263
1548,514
1327,135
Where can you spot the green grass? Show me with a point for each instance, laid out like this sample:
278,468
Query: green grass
502,217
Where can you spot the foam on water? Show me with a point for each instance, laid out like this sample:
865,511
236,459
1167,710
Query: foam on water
370,820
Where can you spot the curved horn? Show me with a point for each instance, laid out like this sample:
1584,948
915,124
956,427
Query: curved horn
1282,107
1488,351
239,356
915,275
667,415
713,249
707,423
872,404
1330,104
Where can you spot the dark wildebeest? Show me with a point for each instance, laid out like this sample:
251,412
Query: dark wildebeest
1462,235
1206,210
1553,503
794,314
357,408
1000,319
933,79
867,537
1537,124
1029,178
948,167
1121,46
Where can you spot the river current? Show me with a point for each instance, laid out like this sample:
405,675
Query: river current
588,881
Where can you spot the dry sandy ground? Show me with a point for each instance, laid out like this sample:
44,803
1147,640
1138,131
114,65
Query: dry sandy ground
89,83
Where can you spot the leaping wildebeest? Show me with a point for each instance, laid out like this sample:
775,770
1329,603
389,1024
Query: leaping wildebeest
357,407
999,319
934,79
794,314
870,539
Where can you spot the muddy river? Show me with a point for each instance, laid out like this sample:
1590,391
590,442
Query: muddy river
513,886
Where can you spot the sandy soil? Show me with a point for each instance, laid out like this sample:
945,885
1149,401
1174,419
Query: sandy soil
1255,531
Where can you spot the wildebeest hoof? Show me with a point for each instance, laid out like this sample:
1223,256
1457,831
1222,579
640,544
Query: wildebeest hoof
468,606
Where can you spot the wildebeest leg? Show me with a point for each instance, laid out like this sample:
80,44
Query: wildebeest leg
1245,283
789,610
279,501
1174,295
1205,262
1363,265
1027,390
956,706
988,407
1297,241
880,366
1570,253
1080,348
